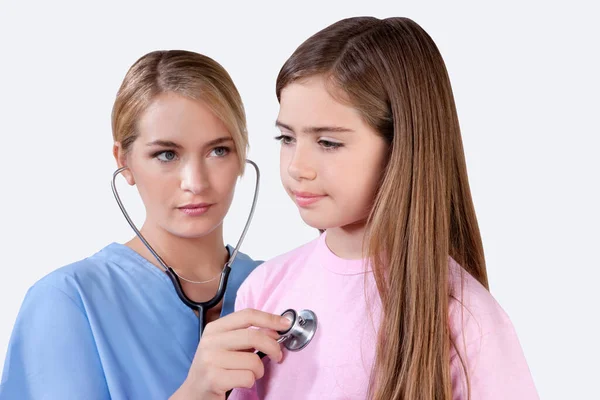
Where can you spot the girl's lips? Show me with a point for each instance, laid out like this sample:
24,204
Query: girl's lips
304,199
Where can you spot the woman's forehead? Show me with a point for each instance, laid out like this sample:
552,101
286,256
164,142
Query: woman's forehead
179,119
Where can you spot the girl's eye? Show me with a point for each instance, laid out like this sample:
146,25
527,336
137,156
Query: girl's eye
166,156
285,139
329,145
220,151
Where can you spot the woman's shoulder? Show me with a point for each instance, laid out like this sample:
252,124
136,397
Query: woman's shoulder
243,263
242,267
89,273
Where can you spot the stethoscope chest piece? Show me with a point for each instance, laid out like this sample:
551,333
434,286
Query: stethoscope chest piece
302,329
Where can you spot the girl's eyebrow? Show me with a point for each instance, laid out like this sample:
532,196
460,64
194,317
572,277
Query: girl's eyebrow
314,129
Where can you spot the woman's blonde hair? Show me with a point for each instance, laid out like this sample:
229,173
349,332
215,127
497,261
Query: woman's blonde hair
392,72
186,73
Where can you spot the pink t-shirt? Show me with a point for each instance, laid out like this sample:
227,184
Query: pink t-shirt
337,363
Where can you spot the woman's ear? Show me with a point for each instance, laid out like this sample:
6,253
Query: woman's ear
121,159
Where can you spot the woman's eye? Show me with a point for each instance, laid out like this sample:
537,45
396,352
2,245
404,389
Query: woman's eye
166,156
220,151
285,139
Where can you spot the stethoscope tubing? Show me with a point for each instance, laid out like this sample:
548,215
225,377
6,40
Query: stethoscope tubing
200,307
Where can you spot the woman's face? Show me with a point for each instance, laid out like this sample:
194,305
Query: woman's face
184,165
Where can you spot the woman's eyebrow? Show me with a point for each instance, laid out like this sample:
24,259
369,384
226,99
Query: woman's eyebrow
164,143
171,144
221,140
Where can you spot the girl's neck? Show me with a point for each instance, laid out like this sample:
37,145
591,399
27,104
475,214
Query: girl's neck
198,259
347,241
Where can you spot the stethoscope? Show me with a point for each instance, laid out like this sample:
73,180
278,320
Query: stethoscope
303,324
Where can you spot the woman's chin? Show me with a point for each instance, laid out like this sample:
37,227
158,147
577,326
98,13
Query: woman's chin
195,231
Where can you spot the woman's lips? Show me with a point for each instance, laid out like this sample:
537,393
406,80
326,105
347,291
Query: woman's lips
195,209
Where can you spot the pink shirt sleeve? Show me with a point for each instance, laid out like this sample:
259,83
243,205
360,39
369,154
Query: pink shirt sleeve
497,368
486,344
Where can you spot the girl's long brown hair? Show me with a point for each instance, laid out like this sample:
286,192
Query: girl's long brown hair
392,72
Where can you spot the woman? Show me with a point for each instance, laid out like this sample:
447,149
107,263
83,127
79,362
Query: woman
112,325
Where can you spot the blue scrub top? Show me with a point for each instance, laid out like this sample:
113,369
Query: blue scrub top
107,327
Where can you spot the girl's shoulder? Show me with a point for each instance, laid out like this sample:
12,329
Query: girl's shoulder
484,344
285,262
473,309
275,274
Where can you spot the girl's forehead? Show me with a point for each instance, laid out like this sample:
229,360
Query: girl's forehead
310,103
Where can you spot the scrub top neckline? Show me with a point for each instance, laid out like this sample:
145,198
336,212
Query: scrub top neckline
161,274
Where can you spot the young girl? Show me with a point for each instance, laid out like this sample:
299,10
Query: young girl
372,156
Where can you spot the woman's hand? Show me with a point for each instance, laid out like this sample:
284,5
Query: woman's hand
225,357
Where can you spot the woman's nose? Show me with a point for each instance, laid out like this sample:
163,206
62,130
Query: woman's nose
194,177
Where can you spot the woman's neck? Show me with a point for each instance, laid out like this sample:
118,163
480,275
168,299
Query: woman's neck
197,259
347,241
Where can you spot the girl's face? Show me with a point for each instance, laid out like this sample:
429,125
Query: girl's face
184,165
331,160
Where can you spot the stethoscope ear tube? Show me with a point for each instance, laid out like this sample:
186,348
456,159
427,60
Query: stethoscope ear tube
303,324
200,307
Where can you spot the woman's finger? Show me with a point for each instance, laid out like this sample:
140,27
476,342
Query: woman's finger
245,319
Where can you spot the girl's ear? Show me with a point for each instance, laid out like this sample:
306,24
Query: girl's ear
121,159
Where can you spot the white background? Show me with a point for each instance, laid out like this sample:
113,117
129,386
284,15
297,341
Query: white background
525,78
